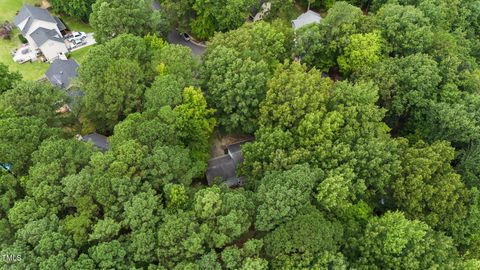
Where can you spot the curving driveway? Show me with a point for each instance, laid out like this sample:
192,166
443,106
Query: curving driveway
175,38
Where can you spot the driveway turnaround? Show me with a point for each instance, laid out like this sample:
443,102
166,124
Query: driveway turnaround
175,38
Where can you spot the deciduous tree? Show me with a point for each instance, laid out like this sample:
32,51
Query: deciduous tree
392,241
38,99
111,18
8,78
281,195
405,28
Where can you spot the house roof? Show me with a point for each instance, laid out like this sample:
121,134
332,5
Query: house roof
31,13
100,141
61,72
305,19
225,166
60,24
42,35
235,151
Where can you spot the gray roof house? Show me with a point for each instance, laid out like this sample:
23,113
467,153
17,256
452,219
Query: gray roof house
98,140
28,15
61,72
42,31
306,18
42,35
225,167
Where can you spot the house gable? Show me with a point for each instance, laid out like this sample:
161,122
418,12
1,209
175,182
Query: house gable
28,15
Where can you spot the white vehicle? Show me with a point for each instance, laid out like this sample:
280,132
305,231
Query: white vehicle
78,37
77,43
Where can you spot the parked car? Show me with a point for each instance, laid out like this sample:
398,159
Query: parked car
76,36
77,43
185,36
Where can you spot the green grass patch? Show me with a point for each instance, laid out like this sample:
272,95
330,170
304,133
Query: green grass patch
8,8
81,54
29,71
75,24
35,70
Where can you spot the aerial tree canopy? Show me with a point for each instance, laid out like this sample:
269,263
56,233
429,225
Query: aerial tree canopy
321,44
38,99
8,78
236,68
78,9
113,18
405,29
392,241
113,79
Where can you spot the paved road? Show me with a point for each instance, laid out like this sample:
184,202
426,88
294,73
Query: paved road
175,38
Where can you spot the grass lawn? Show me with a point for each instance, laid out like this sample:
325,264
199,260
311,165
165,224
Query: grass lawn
30,71
80,55
36,70
75,24
8,8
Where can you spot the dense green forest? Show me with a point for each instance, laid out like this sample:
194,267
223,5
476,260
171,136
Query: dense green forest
366,151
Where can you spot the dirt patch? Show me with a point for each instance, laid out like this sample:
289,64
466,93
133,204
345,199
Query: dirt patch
45,4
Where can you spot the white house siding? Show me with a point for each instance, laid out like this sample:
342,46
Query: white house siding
51,49
31,42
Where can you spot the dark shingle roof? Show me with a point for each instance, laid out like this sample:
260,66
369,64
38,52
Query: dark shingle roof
42,35
60,24
100,141
225,166
32,13
61,72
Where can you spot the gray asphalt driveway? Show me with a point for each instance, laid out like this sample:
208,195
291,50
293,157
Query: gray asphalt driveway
175,38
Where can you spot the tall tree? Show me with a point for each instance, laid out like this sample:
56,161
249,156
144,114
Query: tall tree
321,44
308,240
363,51
195,123
392,241
78,9
19,138
407,86
176,70
38,99
237,66
54,159
405,28
429,189
236,87
258,41
113,78
221,16
111,18
225,215
8,78
281,195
